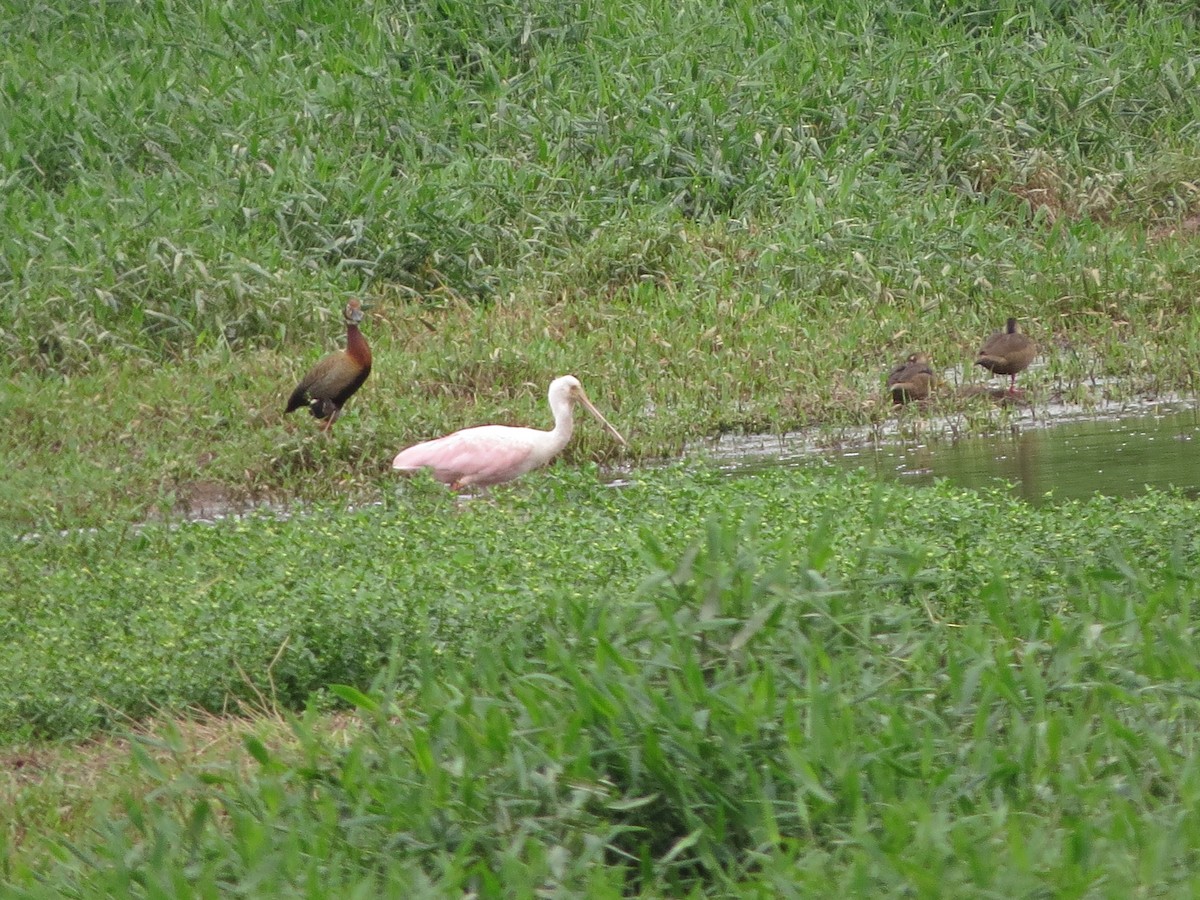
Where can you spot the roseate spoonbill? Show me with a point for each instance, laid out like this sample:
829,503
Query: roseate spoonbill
1007,352
911,379
492,454
335,378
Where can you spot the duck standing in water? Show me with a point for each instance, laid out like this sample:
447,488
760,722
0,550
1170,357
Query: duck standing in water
1007,352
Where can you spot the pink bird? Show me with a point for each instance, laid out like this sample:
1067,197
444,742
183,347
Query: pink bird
492,454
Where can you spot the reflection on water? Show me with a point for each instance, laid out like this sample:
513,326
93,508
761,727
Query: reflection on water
1065,460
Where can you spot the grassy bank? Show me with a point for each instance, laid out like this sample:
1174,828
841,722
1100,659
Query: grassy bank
719,217
693,682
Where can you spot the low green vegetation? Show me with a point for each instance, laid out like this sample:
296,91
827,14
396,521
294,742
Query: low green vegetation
101,627
693,682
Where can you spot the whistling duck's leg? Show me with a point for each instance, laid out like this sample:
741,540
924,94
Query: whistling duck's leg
333,417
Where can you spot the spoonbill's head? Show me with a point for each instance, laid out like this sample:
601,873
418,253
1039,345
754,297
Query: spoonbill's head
568,390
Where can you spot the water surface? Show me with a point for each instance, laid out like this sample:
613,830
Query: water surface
1047,459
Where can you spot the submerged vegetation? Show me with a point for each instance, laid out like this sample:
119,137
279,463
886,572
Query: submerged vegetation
722,218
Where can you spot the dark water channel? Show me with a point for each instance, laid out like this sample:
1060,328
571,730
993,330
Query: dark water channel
1052,459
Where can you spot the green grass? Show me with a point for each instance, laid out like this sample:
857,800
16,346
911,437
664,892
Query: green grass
722,218
694,683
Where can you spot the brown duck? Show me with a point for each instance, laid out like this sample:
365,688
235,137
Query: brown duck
911,379
335,378
1007,352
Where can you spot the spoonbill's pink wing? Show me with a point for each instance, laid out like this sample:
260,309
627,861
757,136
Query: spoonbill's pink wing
489,454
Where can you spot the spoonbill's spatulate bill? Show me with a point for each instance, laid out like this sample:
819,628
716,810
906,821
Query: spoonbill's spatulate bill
492,454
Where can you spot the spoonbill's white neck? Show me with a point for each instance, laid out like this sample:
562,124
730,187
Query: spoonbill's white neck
562,406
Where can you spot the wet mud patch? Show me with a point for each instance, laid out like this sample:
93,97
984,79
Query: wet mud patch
202,499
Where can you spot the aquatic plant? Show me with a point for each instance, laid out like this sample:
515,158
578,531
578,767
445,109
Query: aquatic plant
742,721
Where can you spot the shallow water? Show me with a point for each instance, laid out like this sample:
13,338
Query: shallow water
1056,457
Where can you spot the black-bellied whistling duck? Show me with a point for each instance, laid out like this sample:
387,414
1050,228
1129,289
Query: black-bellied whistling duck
335,378
1007,352
911,379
